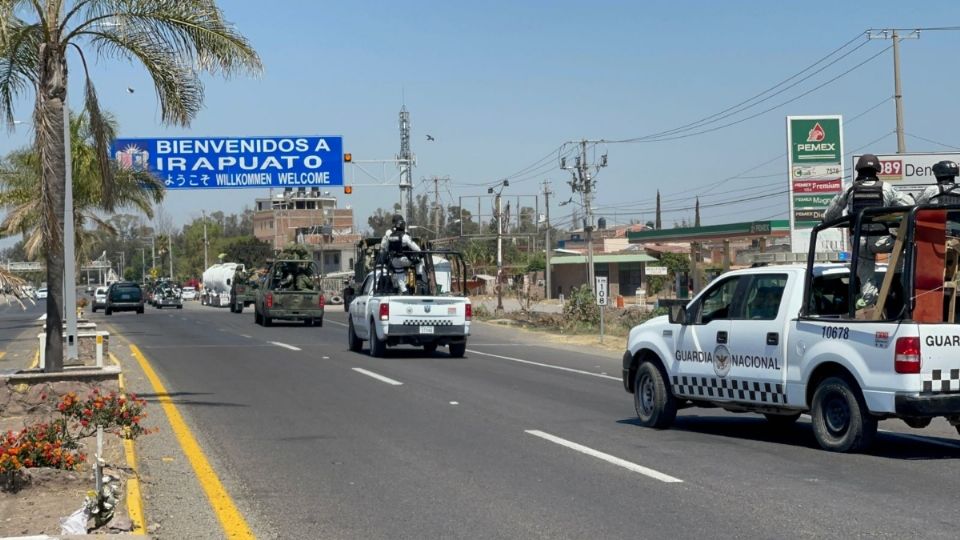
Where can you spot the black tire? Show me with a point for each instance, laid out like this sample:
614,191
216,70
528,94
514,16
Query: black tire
782,420
180,306
308,322
354,341
957,428
378,347
841,421
457,350
267,321
652,398
318,322
94,310
430,348
239,308
108,312
256,317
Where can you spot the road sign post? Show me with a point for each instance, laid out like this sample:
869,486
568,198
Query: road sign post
601,293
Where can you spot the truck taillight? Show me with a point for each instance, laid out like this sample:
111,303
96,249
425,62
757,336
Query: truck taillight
384,312
907,356
468,311
323,301
269,300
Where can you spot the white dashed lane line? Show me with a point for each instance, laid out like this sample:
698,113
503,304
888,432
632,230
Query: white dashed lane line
656,475
338,323
377,376
246,336
285,346
560,368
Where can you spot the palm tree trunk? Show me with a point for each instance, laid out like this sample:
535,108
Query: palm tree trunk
48,121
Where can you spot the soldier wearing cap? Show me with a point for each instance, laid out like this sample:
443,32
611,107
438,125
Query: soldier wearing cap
946,191
867,191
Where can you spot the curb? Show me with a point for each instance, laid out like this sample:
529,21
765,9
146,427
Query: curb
134,494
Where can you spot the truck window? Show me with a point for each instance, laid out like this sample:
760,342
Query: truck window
763,297
718,302
367,288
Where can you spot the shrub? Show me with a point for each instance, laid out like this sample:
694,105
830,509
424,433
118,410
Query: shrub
581,306
117,413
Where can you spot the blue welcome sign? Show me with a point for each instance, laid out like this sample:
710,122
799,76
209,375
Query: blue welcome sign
235,162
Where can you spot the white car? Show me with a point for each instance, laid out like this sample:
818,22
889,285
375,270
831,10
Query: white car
189,293
42,293
99,299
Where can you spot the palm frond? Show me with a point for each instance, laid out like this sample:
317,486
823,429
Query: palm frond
174,41
19,64
102,132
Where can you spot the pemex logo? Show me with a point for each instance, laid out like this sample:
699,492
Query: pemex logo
817,134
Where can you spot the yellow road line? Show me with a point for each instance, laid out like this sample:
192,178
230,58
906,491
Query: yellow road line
232,521
36,359
134,495
2,354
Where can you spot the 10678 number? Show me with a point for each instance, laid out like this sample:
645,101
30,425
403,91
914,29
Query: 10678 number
836,332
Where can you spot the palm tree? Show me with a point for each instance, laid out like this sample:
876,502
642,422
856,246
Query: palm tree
174,40
18,179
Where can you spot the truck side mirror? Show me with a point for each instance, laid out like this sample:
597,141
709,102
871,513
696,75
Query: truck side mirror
228,281
678,314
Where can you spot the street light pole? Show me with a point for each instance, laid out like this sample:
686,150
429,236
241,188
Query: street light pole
69,249
170,251
499,217
205,243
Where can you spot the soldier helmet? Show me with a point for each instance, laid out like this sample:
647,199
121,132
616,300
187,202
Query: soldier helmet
398,223
946,171
868,165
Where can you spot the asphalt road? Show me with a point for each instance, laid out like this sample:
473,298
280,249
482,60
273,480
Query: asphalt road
517,440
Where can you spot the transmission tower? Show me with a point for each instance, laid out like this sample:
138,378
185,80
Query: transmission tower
405,161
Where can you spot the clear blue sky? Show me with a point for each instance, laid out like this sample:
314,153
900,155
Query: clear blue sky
502,83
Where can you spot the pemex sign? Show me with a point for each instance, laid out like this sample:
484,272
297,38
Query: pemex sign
815,150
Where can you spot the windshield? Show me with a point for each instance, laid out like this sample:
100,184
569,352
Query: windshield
125,294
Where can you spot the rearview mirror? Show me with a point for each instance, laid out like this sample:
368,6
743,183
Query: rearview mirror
678,314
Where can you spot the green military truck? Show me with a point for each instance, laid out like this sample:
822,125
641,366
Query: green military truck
243,290
290,291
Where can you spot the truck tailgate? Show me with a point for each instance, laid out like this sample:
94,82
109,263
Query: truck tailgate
939,357
428,310
296,299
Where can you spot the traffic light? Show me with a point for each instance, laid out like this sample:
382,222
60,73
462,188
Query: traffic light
347,157
347,190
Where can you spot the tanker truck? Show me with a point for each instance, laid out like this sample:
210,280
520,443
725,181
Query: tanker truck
216,284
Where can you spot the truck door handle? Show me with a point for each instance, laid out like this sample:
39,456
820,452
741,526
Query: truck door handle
721,337
773,338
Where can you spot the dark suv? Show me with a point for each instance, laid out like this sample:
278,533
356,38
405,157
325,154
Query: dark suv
124,296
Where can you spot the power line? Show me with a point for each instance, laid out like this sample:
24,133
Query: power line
945,145
740,107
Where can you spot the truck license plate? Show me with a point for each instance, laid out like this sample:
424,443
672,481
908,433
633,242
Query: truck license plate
426,329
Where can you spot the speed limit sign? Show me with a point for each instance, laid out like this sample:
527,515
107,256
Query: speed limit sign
601,290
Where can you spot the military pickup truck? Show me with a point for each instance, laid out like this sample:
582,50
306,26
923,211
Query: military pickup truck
290,291
243,290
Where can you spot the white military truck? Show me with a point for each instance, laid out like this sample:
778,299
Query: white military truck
786,340
424,311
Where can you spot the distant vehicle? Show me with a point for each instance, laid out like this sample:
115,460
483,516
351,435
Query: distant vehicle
427,313
41,293
89,289
100,299
30,291
124,296
189,293
243,290
290,291
216,284
166,296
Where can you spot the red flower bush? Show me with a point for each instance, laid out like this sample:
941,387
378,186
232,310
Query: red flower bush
117,413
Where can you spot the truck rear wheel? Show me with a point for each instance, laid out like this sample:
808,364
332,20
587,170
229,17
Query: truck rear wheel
238,308
256,317
841,421
457,350
378,347
652,398
430,348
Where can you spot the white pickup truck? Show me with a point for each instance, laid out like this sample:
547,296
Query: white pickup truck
786,340
397,319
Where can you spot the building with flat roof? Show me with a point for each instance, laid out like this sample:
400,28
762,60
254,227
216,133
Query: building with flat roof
310,217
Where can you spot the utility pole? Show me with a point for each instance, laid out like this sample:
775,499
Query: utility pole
406,161
436,207
143,268
153,249
205,243
547,244
499,217
894,35
170,251
583,183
